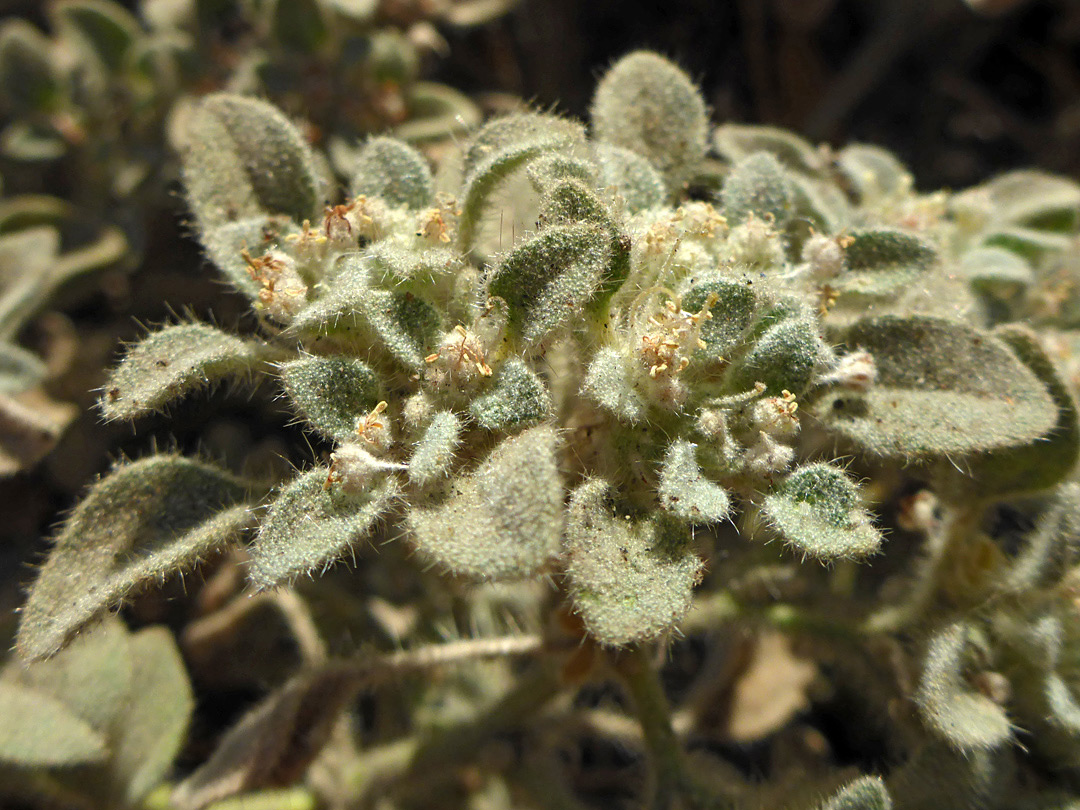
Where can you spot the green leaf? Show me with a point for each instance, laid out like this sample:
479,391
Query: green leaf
394,172
436,112
609,383
1027,198
1036,464
883,261
785,358
39,731
817,511
245,159
631,176
738,141
943,389
28,79
172,363
873,173
20,370
631,580
647,104
481,183
1050,550
865,793
685,492
503,521
965,718
224,244
518,397
106,29
997,274
331,393
92,676
301,25
548,279
758,186
156,718
312,524
141,523
434,453
732,313
402,323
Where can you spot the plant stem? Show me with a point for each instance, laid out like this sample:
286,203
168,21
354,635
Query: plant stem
654,714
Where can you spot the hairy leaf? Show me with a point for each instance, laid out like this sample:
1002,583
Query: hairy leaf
331,393
434,453
609,383
685,492
518,397
738,141
631,176
314,522
631,580
865,793
965,718
171,363
503,521
142,522
647,104
758,186
393,171
817,511
245,159
882,261
548,279
943,389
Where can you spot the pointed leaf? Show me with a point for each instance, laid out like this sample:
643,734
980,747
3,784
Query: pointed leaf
39,731
169,364
503,521
331,393
817,511
547,280
685,492
943,389
141,523
631,580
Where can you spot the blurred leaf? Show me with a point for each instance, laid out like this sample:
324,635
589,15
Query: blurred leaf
39,731
139,524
